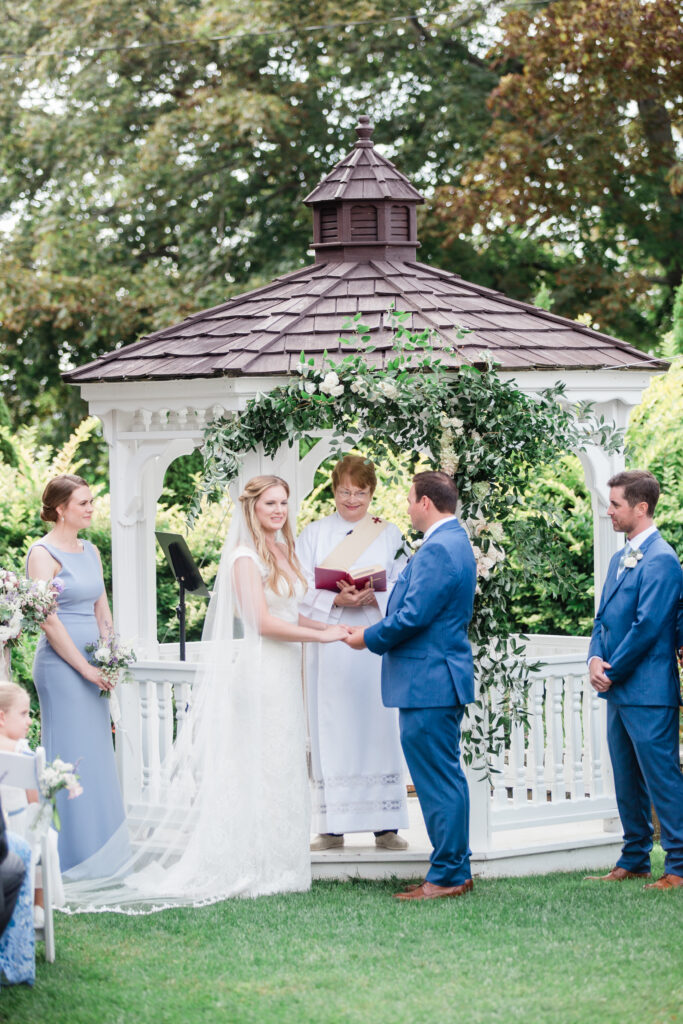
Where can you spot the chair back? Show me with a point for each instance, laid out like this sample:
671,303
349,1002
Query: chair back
22,770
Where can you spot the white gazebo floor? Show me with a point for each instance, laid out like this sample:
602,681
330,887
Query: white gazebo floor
576,846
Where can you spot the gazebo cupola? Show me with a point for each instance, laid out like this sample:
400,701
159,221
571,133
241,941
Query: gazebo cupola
364,208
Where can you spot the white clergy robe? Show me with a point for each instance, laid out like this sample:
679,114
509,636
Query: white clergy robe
358,770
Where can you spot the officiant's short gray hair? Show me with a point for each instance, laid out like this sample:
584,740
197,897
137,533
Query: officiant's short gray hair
440,488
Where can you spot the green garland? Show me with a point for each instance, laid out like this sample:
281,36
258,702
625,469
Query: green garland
470,423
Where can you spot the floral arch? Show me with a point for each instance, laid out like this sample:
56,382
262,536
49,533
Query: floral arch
473,424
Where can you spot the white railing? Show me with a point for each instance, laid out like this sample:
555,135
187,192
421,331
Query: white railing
555,770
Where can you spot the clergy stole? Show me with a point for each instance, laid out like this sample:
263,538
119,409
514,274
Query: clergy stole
349,550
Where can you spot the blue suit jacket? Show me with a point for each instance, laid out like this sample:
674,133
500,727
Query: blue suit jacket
427,659
635,628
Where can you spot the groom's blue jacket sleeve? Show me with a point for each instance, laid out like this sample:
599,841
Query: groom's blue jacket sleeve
433,575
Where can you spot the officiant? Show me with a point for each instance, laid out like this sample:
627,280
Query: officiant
357,764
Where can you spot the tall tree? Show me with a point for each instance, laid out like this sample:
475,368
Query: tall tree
583,154
156,152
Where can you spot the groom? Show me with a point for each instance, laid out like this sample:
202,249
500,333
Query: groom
427,673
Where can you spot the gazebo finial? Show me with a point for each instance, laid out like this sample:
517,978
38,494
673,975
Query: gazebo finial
364,130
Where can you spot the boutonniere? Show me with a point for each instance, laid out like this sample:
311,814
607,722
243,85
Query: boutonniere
409,546
632,559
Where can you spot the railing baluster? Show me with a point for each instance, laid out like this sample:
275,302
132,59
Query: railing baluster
537,741
500,795
573,735
555,762
597,781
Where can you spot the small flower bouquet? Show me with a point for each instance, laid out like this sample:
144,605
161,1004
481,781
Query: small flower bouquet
113,658
58,775
10,606
25,604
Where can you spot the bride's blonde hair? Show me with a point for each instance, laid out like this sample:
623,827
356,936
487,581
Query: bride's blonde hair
257,486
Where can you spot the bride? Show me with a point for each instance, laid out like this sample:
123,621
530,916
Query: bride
233,819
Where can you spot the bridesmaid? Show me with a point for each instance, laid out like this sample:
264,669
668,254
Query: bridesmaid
93,841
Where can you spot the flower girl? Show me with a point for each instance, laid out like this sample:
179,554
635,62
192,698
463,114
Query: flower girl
20,806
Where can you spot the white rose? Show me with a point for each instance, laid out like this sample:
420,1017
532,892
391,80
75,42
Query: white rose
102,654
310,387
357,387
330,381
388,389
497,532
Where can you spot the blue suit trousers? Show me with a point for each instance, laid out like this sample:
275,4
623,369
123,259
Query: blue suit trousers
431,743
643,746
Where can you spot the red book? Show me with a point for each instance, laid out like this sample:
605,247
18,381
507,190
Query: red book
327,579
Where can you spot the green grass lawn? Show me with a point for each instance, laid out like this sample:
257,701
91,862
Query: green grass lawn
551,948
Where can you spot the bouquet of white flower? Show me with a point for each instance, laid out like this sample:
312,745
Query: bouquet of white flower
58,775
113,658
10,606
25,604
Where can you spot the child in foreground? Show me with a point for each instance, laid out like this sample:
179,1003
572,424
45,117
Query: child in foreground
20,806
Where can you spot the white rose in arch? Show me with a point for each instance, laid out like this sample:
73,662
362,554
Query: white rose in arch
330,383
310,387
388,389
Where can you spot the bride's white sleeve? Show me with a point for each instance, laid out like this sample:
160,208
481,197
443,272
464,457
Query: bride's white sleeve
316,604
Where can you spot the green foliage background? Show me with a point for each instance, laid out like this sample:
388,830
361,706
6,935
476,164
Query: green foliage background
154,156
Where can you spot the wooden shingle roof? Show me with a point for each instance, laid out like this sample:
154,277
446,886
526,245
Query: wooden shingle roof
263,332
364,174
365,239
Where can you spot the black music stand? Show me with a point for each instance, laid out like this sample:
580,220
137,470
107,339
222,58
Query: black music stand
186,573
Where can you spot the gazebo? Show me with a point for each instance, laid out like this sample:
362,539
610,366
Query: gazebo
155,397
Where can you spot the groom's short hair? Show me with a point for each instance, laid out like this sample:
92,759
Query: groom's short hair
639,485
440,488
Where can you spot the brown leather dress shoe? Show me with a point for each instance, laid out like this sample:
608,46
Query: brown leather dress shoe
666,882
429,891
618,875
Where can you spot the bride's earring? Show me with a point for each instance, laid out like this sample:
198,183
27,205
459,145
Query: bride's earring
61,519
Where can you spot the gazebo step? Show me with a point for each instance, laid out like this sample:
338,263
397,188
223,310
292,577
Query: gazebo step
578,846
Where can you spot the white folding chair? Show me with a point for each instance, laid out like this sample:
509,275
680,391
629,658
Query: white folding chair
23,771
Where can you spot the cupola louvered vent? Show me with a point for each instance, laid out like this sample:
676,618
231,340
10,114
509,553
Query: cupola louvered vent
399,223
329,231
364,223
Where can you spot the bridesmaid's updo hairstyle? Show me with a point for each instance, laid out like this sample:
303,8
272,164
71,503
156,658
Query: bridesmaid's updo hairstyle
57,493
255,487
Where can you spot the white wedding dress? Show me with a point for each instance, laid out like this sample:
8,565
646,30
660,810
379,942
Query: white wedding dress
236,810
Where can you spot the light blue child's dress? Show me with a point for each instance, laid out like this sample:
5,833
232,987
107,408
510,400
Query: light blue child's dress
17,942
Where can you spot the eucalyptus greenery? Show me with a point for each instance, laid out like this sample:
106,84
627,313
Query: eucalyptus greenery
485,432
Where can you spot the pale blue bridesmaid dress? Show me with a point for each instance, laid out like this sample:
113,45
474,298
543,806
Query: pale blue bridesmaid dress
75,725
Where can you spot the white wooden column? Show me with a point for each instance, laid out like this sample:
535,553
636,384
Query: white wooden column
599,467
137,467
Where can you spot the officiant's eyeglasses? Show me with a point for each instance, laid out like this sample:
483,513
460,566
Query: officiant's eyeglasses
343,493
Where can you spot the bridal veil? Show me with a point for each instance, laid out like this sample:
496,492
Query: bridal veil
201,839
